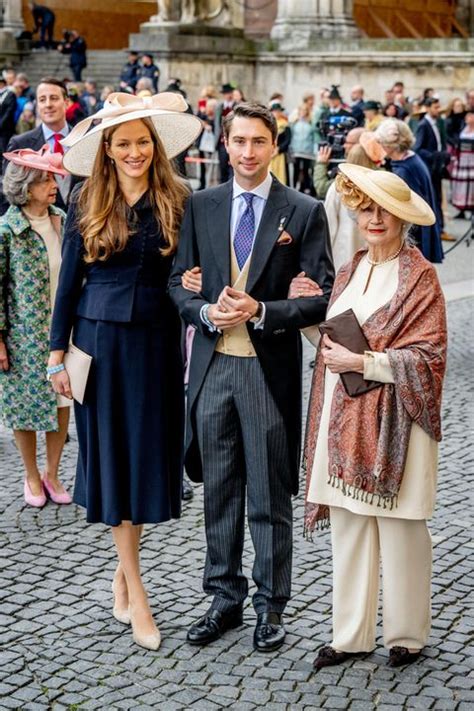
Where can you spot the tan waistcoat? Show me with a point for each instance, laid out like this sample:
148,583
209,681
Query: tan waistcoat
236,341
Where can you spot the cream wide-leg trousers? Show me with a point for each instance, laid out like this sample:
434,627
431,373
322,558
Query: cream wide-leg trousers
404,547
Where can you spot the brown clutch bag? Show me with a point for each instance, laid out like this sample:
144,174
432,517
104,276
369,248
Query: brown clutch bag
345,330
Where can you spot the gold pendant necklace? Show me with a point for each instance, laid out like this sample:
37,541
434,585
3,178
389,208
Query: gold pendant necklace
373,263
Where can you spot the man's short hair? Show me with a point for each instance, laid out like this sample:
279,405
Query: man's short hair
54,82
430,101
249,109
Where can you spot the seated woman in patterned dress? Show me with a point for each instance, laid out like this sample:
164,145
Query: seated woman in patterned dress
30,256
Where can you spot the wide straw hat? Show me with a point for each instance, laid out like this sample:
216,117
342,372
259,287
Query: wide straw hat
177,130
390,192
38,160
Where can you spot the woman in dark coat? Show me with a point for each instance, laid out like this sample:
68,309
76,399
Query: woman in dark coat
397,139
120,237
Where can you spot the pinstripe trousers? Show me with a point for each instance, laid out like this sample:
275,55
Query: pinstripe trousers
243,445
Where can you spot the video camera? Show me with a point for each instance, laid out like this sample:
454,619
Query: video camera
334,130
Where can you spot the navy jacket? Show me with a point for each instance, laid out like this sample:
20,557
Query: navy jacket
78,49
427,147
149,72
128,287
129,74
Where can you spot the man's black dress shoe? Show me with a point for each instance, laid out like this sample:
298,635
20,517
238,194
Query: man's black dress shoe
269,632
328,657
213,626
399,656
187,491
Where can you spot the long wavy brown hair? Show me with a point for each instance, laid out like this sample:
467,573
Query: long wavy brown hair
104,222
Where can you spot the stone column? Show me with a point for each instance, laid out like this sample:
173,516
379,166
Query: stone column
11,19
301,22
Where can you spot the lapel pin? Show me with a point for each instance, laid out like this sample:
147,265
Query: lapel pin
282,224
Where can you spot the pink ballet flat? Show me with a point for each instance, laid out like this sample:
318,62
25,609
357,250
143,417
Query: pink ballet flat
56,498
32,500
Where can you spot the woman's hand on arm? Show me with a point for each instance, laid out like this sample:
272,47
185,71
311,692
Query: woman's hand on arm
302,286
60,381
192,279
340,359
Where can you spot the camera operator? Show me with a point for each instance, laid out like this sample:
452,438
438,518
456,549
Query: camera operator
336,107
339,138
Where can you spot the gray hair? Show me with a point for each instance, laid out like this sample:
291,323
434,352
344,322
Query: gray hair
143,84
17,181
396,134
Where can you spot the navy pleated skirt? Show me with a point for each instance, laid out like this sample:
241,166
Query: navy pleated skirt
130,426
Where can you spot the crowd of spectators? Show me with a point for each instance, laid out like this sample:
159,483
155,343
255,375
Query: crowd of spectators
313,137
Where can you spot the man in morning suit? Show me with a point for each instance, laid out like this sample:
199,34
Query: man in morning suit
51,106
250,237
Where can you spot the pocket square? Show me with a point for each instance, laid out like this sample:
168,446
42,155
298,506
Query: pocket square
284,238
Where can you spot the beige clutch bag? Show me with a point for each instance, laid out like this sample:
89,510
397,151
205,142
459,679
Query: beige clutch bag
77,364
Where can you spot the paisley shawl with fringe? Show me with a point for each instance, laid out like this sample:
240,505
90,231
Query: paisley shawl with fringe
368,435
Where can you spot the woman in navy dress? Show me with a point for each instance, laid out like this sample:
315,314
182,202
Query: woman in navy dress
120,238
396,138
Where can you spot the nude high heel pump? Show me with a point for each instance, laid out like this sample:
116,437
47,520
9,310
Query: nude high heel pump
148,641
121,615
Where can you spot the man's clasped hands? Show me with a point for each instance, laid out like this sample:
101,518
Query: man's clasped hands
234,306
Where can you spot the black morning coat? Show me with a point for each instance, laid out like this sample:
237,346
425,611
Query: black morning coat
205,242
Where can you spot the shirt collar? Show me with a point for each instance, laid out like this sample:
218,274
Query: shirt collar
431,120
48,133
261,191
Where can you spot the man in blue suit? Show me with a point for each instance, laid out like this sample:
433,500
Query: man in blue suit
431,147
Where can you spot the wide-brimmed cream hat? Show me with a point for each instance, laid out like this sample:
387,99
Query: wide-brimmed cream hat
390,192
176,129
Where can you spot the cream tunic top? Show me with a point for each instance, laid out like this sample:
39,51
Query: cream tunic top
418,488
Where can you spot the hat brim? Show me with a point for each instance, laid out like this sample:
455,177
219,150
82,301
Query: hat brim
415,211
35,166
177,131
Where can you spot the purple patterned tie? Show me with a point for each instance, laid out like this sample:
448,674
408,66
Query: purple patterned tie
244,234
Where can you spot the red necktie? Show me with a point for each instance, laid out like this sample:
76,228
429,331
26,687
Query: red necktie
57,148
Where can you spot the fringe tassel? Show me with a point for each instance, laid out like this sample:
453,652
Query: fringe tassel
322,525
366,497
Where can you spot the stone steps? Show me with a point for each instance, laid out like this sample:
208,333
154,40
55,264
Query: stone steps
104,66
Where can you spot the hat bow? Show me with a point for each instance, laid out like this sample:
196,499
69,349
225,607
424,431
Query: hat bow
120,104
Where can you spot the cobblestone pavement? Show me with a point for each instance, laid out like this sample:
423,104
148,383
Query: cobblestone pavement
60,647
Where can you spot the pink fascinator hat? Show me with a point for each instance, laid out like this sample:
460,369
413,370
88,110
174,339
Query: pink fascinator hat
38,160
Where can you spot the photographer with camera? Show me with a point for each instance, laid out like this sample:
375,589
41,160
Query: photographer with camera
76,47
340,134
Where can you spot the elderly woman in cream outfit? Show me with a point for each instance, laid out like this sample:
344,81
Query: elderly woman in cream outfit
372,459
